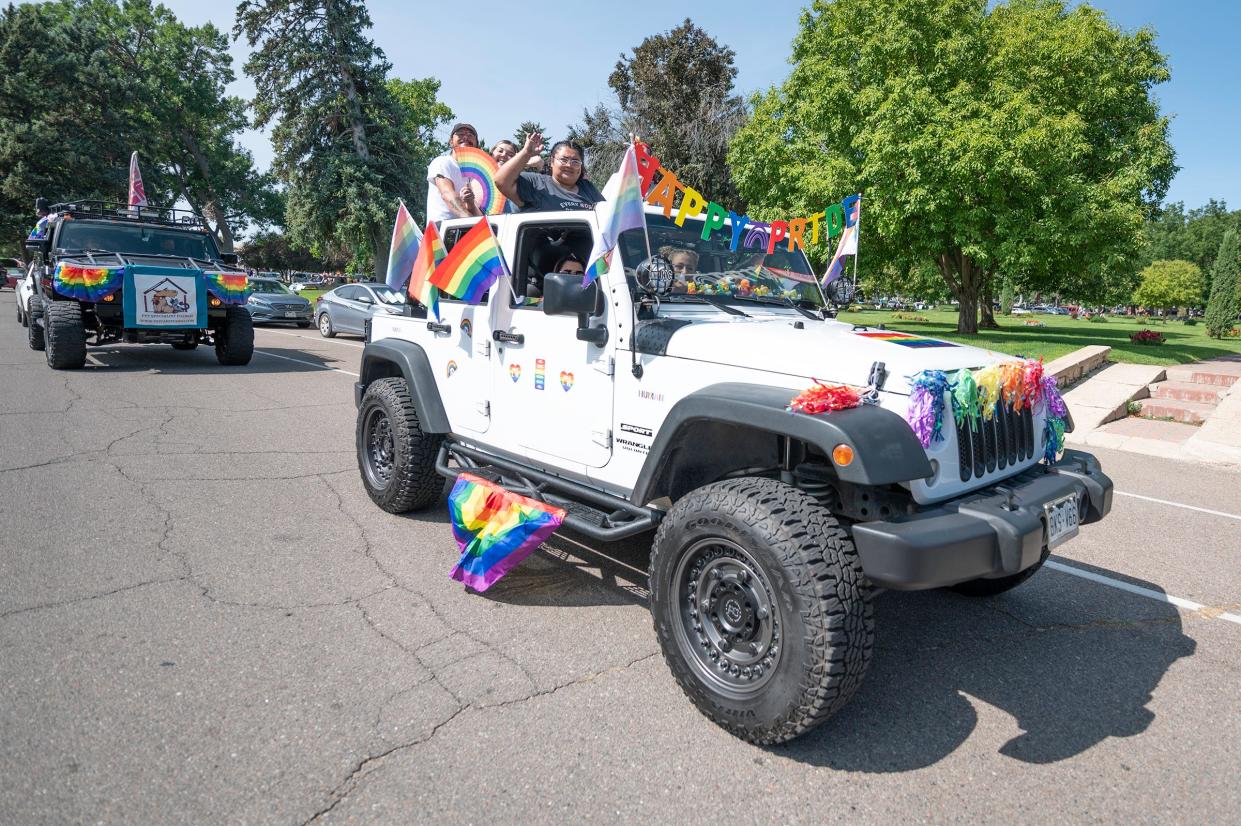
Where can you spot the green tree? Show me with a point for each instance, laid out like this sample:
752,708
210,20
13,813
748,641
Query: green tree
1169,284
272,251
62,134
1006,296
675,91
422,114
1191,236
529,127
189,124
336,126
1020,137
1222,307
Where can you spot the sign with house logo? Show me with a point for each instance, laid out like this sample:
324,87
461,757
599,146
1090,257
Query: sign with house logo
164,297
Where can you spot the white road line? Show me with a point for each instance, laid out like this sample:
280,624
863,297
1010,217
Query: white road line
354,344
307,363
1188,605
1179,505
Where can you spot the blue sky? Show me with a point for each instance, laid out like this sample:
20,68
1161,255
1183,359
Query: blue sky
546,62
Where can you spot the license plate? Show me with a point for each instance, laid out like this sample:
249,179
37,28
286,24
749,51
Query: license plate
290,315
1062,520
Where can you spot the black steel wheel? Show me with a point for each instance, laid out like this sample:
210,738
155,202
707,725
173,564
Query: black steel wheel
761,607
395,457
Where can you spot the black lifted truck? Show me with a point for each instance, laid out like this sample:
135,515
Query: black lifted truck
111,273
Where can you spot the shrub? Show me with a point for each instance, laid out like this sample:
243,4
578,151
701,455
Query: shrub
909,317
1190,321
1034,322
1097,318
1222,306
1147,337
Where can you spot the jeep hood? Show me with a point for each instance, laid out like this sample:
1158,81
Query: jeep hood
830,351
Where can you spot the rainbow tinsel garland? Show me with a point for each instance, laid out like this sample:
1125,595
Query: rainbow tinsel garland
975,394
824,398
229,287
86,283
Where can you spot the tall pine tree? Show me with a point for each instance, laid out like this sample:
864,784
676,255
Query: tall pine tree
1221,315
337,126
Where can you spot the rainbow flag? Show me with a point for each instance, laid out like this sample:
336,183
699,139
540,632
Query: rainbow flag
848,241
621,210
404,248
472,266
429,255
905,339
229,287
479,168
87,283
495,528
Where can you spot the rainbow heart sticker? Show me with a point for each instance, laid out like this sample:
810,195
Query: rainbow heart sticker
514,372
566,380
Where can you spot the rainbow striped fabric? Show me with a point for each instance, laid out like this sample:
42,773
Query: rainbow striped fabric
904,339
403,248
479,168
229,287
430,253
495,528
86,283
621,210
472,266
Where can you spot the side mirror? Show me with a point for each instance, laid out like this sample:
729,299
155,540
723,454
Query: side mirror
35,246
563,294
230,258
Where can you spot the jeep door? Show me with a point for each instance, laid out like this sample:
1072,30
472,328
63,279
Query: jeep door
552,393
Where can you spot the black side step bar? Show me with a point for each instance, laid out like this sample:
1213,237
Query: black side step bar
591,512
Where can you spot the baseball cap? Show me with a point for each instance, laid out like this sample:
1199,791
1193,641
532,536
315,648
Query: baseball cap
457,127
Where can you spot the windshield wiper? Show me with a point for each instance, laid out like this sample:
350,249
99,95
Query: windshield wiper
720,305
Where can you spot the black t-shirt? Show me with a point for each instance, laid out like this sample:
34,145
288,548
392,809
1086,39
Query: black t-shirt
541,193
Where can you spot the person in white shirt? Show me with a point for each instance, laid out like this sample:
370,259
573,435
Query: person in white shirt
448,194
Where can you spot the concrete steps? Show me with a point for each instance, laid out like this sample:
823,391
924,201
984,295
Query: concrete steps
1188,391
1178,411
1216,373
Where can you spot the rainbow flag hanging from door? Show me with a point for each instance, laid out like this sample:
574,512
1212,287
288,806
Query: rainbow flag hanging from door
495,528
471,266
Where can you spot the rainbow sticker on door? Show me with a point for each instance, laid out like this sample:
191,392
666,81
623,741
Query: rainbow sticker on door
540,373
566,380
514,372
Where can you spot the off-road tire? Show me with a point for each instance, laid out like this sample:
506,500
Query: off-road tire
234,341
34,329
325,326
65,336
21,319
818,630
995,587
395,457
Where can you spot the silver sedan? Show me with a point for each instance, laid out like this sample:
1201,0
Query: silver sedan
347,308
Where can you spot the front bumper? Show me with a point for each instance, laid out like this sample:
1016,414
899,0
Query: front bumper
996,532
303,315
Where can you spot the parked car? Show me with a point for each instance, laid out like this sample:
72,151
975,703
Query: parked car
346,309
271,301
25,289
1057,311
11,271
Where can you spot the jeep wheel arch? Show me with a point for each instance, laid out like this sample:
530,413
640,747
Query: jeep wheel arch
884,446
389,358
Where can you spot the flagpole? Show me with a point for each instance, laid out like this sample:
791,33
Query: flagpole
857,229
633,139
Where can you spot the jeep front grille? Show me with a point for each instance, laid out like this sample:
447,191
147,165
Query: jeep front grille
986,446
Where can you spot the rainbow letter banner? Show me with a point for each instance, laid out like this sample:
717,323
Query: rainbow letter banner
495,528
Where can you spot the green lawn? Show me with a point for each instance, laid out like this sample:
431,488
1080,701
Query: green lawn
1064,335
311,295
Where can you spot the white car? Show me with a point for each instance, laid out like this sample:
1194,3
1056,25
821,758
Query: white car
25,289
632,405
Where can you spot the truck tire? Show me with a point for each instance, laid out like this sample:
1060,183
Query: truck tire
995,587
396,458
234,340
761,607
34,323
65,335
21,319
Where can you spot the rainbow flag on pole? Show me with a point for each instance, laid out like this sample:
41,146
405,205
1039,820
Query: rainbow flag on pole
620,210
472,266
848,241
430,253
495,528
406,239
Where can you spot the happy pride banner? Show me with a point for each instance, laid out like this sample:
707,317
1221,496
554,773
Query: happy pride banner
747,233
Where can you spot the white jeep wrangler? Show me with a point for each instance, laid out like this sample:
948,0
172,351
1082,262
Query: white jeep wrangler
639,405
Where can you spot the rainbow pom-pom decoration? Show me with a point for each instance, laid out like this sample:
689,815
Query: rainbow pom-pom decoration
229,287
975,395
824,398
85,282
479,168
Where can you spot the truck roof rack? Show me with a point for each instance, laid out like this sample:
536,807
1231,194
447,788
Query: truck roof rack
117,211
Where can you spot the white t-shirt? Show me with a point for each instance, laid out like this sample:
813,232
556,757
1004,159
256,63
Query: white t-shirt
444,166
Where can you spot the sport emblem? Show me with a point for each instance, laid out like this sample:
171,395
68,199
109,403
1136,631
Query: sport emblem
566,380
452,367
514,372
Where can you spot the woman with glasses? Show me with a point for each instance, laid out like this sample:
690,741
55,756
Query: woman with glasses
564,189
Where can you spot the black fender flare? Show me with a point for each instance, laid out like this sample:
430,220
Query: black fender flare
390,358
884,446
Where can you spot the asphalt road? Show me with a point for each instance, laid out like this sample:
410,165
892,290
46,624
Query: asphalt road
204,619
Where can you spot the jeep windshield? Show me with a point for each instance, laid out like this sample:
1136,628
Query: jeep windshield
134,239
709,270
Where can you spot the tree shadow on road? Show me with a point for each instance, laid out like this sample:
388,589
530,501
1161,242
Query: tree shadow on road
1068,684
